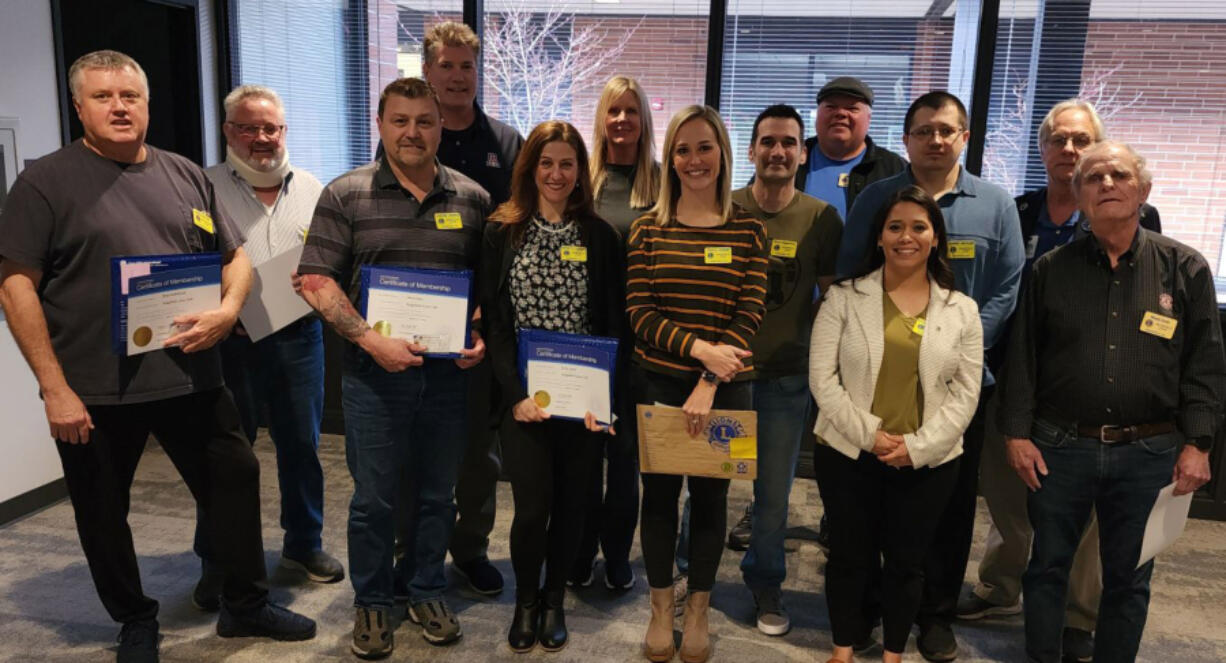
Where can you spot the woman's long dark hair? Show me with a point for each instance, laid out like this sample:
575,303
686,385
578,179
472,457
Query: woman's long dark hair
938,259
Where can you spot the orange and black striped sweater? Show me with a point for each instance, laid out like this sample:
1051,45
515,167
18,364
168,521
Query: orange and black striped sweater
684,284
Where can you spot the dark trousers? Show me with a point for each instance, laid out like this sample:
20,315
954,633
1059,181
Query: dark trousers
284,373
200,433
613,495
951,546
550,464
1119,483
477,483
881,523
708,497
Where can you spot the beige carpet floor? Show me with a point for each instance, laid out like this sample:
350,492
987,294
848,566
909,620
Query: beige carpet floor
49,611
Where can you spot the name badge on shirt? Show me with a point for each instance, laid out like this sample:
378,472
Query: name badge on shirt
203,221
919,327
783,248
718,255
961,249
1158,325
1032,245
448,221
574,253
844,180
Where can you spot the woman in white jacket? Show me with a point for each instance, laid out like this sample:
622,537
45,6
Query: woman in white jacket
895,363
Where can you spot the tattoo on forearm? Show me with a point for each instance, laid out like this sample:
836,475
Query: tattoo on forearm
334,306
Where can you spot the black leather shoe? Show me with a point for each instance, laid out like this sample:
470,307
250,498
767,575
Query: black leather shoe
742,531
522,636
936,642
1078,645
552,632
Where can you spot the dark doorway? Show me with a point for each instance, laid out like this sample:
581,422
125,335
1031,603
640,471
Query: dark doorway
162,35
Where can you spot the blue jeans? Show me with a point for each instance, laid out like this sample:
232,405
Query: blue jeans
783,405
415,419
1119,482
283,374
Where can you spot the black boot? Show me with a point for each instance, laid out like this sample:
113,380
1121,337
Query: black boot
522,636
552,633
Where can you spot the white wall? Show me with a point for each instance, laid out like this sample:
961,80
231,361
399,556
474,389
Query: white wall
27,92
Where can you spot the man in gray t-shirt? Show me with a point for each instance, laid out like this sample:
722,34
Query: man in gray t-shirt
69,213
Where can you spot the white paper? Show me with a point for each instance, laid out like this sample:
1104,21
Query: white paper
273,304
1166,522
438,322
570,390
151,317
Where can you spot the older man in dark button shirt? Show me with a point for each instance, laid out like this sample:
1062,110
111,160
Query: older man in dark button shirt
1113,389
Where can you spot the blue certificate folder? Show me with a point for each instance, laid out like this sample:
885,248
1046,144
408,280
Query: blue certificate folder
436,282
592,351
162,274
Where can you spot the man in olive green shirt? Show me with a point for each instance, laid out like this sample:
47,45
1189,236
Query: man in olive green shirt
804,234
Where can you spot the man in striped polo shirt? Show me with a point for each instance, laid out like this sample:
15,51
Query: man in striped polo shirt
401,409
272,202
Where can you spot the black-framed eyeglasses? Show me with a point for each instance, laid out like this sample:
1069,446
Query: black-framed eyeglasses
254,130
1080,141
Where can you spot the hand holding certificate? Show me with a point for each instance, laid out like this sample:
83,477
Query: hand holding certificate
153,295
568,375
423,306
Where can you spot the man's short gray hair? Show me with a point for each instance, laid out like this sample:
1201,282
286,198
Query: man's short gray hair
1145,177
243,92
105,59
1100,134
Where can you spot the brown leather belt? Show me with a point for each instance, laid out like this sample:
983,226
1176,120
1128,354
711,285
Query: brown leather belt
1117,434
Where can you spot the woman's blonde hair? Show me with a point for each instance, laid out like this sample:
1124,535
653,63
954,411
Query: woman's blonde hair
646,171
670,185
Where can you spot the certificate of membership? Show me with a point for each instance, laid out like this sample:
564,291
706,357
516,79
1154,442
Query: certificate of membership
569,375
424,306
154,301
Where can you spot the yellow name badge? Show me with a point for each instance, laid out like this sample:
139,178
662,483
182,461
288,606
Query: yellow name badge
919,327
1158,325
961,249
718,255
574,253
844,180
448,221
783,248
743,448
203,221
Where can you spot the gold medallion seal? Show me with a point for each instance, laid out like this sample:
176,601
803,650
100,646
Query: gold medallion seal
541,398
142,336
383,328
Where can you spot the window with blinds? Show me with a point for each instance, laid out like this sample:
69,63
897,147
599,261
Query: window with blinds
1156,73
783,51
547,60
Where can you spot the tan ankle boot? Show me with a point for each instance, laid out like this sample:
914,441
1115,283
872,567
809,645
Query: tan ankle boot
658,646
696,638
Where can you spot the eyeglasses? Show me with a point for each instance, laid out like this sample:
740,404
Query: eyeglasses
253,130
1080,141
945,132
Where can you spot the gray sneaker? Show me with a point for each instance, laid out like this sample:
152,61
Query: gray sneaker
372,633
971,607
318,565
439,625
772,617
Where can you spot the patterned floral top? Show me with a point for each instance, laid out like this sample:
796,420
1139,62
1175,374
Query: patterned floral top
548,292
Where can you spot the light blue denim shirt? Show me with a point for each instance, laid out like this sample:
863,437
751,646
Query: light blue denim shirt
976,211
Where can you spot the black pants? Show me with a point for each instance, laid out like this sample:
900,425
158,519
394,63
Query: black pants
201,435
708,497
550,464
477,483
951,546
878,513
613,495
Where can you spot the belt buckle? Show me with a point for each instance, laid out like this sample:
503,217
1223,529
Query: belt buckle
1102,433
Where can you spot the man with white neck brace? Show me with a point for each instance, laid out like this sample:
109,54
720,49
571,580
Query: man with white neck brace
272,202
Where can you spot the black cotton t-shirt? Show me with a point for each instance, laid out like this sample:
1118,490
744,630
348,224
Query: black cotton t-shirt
73,210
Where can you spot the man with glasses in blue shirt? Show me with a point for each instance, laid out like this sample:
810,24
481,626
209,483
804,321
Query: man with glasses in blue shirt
987,254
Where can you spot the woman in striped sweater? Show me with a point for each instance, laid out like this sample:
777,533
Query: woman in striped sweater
696,283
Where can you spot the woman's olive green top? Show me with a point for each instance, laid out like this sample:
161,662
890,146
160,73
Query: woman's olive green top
897,397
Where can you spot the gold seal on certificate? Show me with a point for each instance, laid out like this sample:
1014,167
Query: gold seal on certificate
142,336
541,398
383,328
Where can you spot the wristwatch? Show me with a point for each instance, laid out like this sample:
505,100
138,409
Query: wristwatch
1204,443
710,377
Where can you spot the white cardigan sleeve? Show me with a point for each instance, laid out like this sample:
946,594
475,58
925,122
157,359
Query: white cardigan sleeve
858,426
939,434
